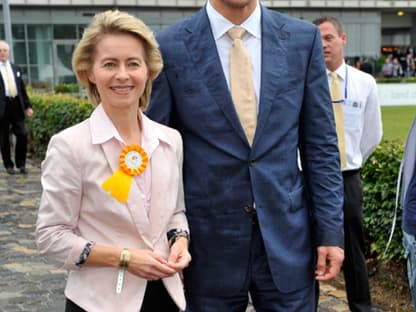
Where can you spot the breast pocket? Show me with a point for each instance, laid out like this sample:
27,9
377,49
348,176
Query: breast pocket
353,110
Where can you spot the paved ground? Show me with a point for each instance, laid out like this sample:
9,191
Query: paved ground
29,282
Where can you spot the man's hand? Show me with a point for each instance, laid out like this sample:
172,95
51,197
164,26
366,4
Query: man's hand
329,262
29,112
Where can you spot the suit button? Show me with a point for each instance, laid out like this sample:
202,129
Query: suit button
252,162
249,209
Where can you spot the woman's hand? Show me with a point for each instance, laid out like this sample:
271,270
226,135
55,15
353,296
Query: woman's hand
179,256
149,265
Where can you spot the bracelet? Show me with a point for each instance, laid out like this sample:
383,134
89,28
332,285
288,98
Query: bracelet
124,258
174,234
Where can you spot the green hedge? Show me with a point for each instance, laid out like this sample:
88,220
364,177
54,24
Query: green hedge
51,115
379,176
66,88
396,80
57,112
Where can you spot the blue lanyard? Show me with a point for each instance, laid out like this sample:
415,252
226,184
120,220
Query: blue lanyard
345,88
345,83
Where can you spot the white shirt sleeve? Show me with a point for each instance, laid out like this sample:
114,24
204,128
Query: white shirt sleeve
372,126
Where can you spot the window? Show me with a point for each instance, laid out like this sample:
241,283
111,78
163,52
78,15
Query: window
64,32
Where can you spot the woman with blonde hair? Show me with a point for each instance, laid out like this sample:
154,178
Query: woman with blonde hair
112,209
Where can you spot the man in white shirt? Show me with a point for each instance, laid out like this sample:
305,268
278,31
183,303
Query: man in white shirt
362,132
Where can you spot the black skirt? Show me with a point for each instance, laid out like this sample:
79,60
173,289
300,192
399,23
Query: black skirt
156,298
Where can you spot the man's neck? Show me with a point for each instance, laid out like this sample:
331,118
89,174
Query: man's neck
334,67
235,14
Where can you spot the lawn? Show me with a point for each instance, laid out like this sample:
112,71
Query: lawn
397,121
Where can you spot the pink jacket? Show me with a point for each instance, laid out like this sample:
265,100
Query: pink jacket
74,209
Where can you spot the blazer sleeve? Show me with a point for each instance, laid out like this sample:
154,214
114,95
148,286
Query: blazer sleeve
178,220
60,204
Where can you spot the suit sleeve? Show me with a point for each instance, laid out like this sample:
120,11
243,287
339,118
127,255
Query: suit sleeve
319,153
22,90
410,205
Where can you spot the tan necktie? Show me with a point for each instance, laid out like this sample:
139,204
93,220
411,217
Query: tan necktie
241,83
10,81
337,104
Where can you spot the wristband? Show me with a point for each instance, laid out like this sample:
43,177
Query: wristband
123,265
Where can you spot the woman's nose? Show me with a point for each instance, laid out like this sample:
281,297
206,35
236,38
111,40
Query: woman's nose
122,72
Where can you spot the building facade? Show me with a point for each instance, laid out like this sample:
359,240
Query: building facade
45,32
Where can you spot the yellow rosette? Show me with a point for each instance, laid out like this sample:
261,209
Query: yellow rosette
133,161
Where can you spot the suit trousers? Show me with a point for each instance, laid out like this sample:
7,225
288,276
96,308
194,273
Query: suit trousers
156,298
13,119
259,284
355,265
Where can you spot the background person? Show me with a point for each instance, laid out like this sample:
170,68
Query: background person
253,228
387,68
361,130
122,253
397,68
14,104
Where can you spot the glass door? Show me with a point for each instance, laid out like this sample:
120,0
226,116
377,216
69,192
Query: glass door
62,50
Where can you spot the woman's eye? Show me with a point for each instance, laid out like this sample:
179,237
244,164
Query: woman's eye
134,65
109,65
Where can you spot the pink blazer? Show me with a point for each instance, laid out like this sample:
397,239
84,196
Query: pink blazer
74,209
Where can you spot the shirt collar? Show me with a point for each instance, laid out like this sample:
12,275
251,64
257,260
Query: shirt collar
103,130
220,25
5,64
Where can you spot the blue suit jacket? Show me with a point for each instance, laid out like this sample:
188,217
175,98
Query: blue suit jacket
222,174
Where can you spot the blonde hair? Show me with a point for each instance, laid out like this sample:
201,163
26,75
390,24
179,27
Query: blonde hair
113,22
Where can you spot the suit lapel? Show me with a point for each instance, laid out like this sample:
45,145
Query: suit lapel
203,50
274,66
135,203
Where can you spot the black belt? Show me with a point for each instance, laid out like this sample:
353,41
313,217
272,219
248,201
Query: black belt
348,173
10,98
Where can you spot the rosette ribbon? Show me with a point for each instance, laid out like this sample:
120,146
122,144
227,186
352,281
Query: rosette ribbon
133,161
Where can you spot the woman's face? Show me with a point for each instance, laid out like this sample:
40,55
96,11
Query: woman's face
119,71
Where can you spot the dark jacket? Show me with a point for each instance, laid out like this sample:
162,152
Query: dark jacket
21,90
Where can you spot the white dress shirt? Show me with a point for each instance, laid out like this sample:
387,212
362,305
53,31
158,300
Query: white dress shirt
362,114
252,41
3,75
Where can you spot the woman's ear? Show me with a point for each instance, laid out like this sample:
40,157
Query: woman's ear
91,77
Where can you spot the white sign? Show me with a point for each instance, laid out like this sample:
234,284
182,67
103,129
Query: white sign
391,94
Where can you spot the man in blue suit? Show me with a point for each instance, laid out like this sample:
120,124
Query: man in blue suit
258,223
